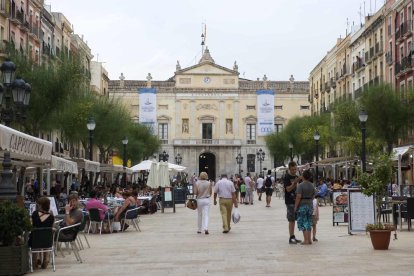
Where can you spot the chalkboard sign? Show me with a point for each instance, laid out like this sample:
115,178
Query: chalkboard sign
167,197
361,210
340,206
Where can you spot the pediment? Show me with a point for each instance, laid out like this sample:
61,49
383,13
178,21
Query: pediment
250,119
164,118
207,68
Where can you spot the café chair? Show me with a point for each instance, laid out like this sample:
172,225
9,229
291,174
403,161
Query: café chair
410,211
82,228
68,235
95,219
41,241
133,218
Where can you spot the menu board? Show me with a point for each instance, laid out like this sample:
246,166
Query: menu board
340,206
361,210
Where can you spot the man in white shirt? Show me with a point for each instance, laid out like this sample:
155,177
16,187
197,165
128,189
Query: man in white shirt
259,186
249,189
226,192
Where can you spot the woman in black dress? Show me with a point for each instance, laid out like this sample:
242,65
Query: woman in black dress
42,218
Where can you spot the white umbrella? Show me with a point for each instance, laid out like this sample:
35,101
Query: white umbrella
153,176
163,176
143,166
176,167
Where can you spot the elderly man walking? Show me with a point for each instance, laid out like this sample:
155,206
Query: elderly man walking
226,192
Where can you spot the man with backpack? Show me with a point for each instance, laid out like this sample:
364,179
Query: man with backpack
268,184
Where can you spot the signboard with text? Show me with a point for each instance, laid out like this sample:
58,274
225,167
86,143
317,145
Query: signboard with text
265,112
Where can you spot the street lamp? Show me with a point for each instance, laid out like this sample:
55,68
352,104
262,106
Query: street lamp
91,126
239,160
125,160
291,151
363,117
316,137
260,157
164,156
178,159
18,90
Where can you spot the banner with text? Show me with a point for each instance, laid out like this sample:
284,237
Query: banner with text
148,107
265,112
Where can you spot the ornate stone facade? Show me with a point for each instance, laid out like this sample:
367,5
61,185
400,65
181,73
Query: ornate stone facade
208,115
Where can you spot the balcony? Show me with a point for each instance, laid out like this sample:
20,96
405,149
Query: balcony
366,56
378,48
358,93
388,58
406,28
327,87
210,142
405,65
357,65
20,16
333,83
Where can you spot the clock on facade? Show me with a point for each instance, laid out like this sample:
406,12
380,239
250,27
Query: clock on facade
207,80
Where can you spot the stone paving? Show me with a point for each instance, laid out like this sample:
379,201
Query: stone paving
257,245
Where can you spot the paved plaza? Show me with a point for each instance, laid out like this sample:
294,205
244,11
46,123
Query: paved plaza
257,245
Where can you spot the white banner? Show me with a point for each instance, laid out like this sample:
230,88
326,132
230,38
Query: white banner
265,112
148,107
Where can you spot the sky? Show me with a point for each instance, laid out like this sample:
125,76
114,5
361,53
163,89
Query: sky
278,38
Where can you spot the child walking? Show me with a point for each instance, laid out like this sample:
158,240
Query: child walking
315,217
242,192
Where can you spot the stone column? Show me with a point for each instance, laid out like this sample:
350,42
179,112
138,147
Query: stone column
178,120
193,120
222,120
236,112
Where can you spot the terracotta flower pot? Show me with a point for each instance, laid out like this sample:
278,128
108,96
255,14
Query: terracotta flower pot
380,239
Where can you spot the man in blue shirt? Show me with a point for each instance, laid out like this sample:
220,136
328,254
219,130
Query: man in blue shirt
322,189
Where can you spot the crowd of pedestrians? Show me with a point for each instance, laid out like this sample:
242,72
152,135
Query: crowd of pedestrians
300,196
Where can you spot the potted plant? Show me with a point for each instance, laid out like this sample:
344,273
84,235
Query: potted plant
14,223
375,184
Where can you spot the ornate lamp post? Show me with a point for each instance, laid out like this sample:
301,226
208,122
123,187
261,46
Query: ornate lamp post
316,137
91,124
291,151
164,156
125,160
239,161
260,157
178,159
363,117
18,90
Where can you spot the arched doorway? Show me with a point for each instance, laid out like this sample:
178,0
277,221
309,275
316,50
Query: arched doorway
207,163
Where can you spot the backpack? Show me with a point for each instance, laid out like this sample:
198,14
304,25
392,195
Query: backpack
268,182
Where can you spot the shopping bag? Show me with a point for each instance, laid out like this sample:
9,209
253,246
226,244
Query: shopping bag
116,226
235,216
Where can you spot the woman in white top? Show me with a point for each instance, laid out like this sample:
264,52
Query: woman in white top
202,190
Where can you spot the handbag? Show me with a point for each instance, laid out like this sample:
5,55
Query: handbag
191,204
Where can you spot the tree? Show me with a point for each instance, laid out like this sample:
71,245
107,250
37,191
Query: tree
52,84
388,114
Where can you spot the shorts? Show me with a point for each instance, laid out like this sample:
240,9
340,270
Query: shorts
314,220
243,194
269,191
304,214
290,214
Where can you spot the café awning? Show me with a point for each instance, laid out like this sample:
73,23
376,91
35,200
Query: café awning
89,166
401,151
64,165
24,147
114,169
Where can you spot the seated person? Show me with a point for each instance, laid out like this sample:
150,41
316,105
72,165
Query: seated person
322,189
94,203
129,203
42,217
135,195
72,216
